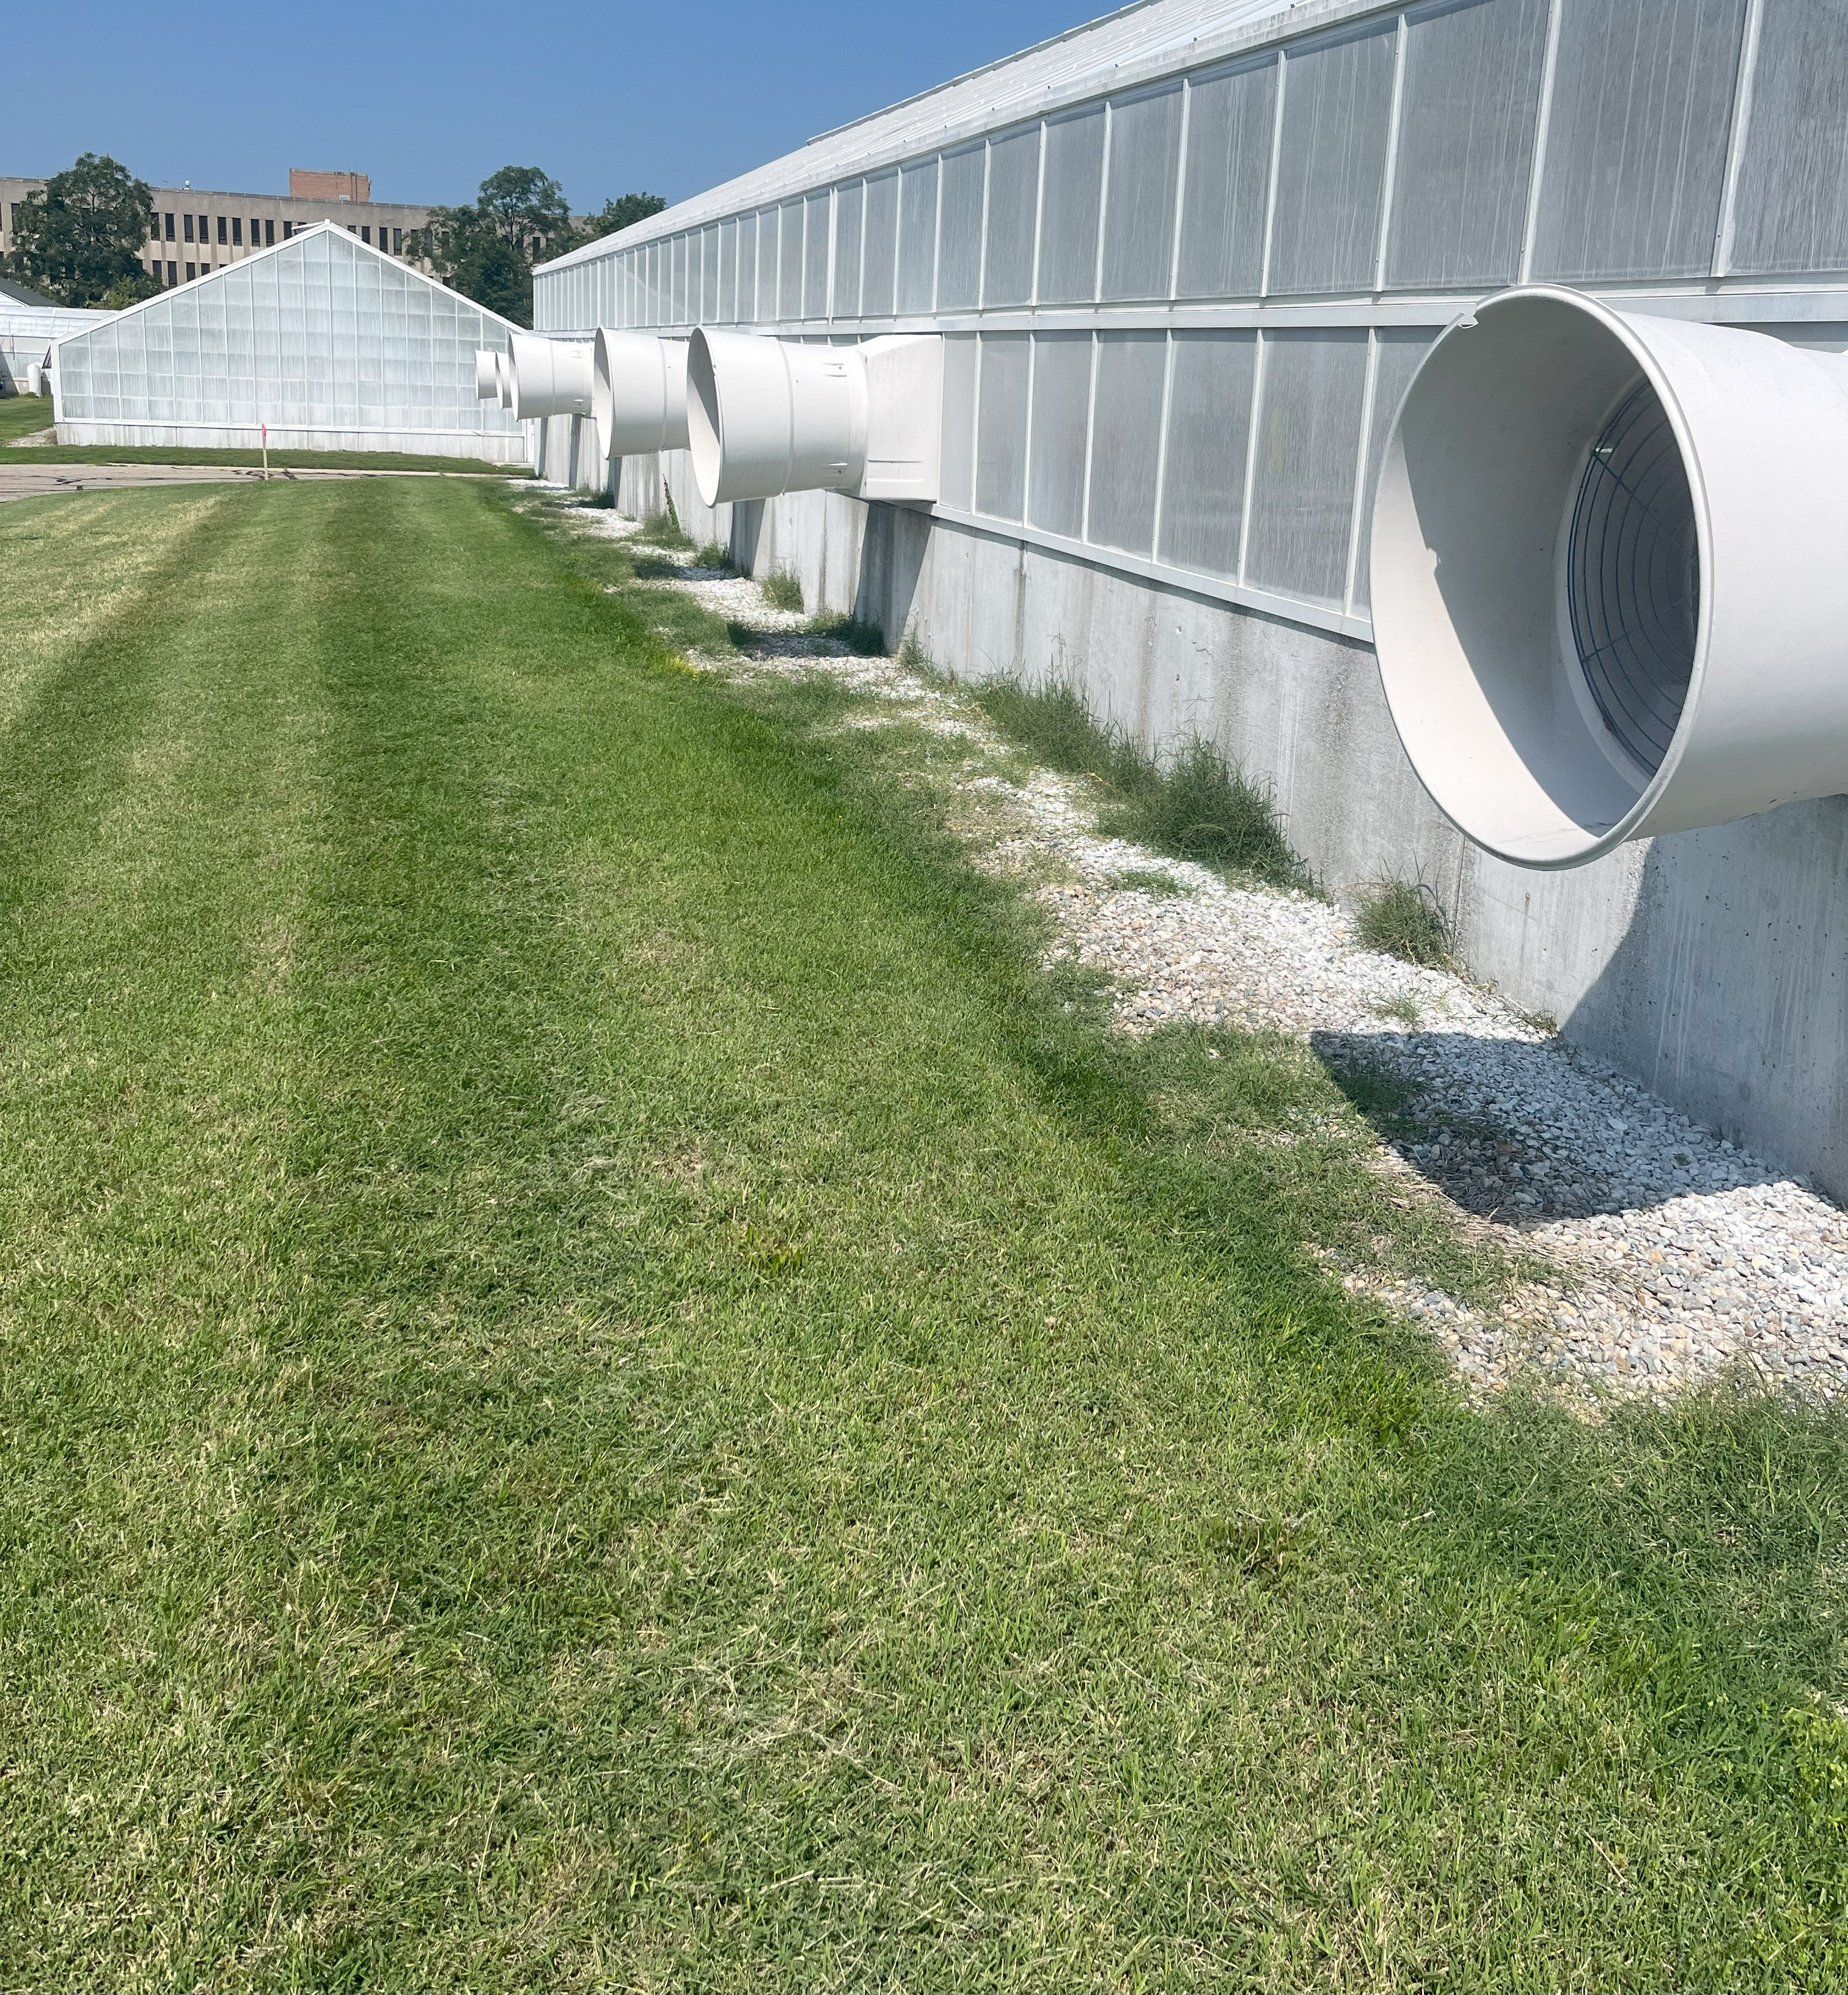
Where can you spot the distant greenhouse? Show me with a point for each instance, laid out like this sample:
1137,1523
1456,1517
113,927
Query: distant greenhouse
27,333
330,344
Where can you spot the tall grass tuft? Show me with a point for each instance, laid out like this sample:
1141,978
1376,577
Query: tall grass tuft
1195,806
1404,918
782,589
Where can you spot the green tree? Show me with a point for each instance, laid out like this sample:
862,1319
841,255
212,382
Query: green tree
624,212
79,239
487,250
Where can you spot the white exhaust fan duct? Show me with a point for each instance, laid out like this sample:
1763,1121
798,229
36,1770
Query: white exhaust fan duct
639,392
550,377
503,380
1610,575
766,415
487,374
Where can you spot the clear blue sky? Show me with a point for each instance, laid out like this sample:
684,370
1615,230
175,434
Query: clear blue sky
428,100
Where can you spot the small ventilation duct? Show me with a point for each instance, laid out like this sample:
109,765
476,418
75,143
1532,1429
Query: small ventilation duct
549,377
766,415
1610,575
503,380
487,374
639,392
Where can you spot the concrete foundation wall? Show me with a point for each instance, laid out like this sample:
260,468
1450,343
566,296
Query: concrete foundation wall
484,447
1709,965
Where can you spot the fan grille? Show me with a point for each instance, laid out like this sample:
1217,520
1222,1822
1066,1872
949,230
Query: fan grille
1633,577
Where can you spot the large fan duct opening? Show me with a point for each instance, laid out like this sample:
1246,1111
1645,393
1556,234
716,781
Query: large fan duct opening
1633,578
1608,594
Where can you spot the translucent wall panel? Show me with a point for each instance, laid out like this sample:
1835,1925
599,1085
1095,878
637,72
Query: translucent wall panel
1014,194
728,272
709,286
1791,212
848,201
1331,168
789,261
1308,445
957,484
1230,120
1209,432
1125,445
1397,352
814,256
1466,128
1001,426
1139,225
1062,406
1070,207
880,247
917,238
1636,146
749,229
959,234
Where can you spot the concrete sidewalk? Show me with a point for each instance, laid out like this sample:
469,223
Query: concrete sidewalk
34,481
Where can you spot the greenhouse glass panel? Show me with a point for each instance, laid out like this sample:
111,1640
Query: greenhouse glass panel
1791,210
879,247
957,484
1139,225
789,261
1070,207
1314,387
959,246
749,229
1126,450
1332,167
847,203
814,256
1209,438
1001,426
1013,195
1636,145
728,271
1396,353
1061,410
1231,119
1470,109
709,286
917,237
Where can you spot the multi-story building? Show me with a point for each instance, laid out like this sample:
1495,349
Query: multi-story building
192,232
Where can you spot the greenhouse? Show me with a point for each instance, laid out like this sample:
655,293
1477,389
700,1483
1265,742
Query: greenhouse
27,335
325,341
1182,266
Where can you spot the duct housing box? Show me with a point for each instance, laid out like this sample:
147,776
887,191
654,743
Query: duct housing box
487,374
1610,575
766,415
548,377
639,392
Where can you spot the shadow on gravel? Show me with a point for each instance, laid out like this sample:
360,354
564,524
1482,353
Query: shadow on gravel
1524,1132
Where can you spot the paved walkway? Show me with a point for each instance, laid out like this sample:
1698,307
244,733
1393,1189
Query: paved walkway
34,481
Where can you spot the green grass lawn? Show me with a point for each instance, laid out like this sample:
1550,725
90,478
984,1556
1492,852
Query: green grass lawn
600,1382
23,415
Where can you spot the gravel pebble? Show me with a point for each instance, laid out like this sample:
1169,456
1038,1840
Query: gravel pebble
1678,1255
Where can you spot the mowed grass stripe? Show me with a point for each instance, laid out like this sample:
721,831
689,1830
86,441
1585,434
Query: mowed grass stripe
603,1381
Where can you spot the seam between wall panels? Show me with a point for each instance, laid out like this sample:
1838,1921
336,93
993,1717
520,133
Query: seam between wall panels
1084,512
1311,615
1039,212
1167,398
1174,247
1103,203
988,158
1738,132
1033,369
1543,125
1402,43
1368,394
1259,344
1276,154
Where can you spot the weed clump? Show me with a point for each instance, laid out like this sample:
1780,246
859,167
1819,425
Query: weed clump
1404,918
864,640
714,554
782,589
662,530
1196,806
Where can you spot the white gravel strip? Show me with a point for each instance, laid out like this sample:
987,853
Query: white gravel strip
1682,1256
